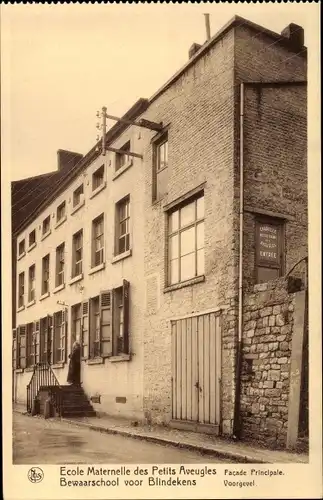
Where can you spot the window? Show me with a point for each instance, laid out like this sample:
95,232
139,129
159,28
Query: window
45,275
21,346
31,344
46,225
61,211
77,254
32,238
105,323
59,337
45,341
98,241
123,226
98,178
269,249
78,196
32,283
76,323
95,328
21,248
60,265
21,290
160,167
186,242
122,158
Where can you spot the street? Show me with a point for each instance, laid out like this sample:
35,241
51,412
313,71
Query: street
40,441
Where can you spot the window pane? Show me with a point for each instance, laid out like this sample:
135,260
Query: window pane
188,241
173,247
173,221
200,262
200,235
188,267
200,208
188,214
174,278
123,228
267,274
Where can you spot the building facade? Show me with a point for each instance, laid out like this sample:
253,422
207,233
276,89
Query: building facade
139,255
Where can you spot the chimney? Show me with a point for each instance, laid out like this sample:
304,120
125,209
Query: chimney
295,34
67,159
193,49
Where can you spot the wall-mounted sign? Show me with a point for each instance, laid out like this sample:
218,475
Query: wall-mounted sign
268,243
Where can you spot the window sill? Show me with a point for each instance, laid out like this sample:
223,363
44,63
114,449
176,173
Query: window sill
75,209
43,297
60,222
97,268
21,308
19,370
58,365
121,170
121,357
31,303
122,256
29,369
97,190
76,279
183,284
45,235
59,288
21,255
31,247
95,361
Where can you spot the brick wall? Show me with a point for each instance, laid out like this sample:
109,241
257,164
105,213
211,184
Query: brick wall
199,108
267,343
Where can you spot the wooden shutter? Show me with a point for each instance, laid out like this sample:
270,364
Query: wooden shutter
14,349
37,341
85,329
125,292
51,345
63,335
22,346
106,308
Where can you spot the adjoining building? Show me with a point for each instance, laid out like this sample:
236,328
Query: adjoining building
144,253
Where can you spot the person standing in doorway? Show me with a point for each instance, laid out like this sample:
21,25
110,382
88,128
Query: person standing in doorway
74,369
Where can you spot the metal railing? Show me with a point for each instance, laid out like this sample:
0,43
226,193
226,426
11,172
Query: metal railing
43,376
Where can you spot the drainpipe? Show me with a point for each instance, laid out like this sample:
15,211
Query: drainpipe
236,421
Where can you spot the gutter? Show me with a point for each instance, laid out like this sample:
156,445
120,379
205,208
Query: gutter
236,420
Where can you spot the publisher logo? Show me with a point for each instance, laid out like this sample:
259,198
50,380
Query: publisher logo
35,475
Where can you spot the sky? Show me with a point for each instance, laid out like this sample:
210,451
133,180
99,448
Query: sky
61,63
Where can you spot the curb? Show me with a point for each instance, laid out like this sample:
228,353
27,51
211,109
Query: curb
236,457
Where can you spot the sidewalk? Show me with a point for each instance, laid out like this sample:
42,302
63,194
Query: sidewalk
218,447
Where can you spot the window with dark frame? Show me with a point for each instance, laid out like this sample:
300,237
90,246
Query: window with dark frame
98,241
46,225
122,226
32,238
98,178
61,211
30,355
160,167
21,290
31,283
77,254
45,275
21,347
186,241
78,196
45,340
269,249
60,265
76,326
105,324
59,337
21,247
122,158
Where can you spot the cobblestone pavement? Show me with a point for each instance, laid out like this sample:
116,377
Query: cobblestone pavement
39,441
